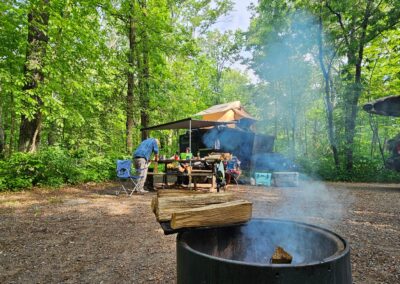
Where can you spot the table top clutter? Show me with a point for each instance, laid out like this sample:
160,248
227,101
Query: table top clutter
199,168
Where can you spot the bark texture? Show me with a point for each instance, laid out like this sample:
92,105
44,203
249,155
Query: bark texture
30,127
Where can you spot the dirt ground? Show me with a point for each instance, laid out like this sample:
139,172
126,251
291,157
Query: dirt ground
87,234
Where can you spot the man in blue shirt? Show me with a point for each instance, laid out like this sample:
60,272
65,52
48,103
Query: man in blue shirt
141,158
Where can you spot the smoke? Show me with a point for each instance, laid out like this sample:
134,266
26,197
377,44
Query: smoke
272,162
228,139
235,141
313,202
288,65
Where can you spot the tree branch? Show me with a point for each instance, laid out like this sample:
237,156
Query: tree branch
339,17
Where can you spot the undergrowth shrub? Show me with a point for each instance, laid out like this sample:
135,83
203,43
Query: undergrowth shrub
365,169
54,167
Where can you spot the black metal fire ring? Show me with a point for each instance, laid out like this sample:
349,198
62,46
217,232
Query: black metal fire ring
195,266
335,256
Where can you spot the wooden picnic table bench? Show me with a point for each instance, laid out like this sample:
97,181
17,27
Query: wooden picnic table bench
193,176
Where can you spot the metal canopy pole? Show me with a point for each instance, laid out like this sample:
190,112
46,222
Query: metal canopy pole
190,147
190,139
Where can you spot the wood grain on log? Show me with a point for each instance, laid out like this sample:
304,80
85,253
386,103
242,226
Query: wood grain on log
172,204
177,192
231,212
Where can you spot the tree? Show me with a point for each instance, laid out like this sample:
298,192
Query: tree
326,57
357,24
131,75
12,58
351,26
281,57
31,123
224,49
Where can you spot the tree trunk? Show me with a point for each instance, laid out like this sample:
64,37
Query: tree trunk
2,140
275,116
355,93
350,124
12,128
217,87
375,138
131,86
305,137
293,140
145,77
30,128
328,97
52,135
293,122
29,132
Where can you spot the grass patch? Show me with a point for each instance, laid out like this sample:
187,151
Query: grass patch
55,200
10,203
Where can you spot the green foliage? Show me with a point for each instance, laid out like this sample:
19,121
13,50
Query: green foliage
54,167
365,170
3,184
381,66
83,103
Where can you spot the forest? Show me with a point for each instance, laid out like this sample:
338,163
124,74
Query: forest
80,78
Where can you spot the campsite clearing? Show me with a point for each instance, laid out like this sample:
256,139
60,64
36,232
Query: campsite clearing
88,235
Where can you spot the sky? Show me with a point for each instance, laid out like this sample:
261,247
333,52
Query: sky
239,18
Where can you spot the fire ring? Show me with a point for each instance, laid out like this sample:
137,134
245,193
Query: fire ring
241,254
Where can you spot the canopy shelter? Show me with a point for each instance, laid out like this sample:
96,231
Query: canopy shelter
187,123
226,112
388,106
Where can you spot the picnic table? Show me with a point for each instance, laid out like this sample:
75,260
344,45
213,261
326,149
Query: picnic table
206,169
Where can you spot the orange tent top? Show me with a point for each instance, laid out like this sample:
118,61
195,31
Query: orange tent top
225,112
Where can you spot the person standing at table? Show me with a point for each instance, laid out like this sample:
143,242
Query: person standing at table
184,167
142,156
187,155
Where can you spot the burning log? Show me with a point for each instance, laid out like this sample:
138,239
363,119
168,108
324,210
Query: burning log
231,212
281,256
164,207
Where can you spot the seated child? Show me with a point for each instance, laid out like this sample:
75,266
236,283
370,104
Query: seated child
232,169
184,167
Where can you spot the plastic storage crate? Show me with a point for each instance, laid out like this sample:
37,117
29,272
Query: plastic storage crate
285,178
263,179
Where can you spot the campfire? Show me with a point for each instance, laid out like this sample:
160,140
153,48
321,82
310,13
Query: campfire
263,251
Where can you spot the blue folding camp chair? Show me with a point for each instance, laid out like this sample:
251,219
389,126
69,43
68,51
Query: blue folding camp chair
124,174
